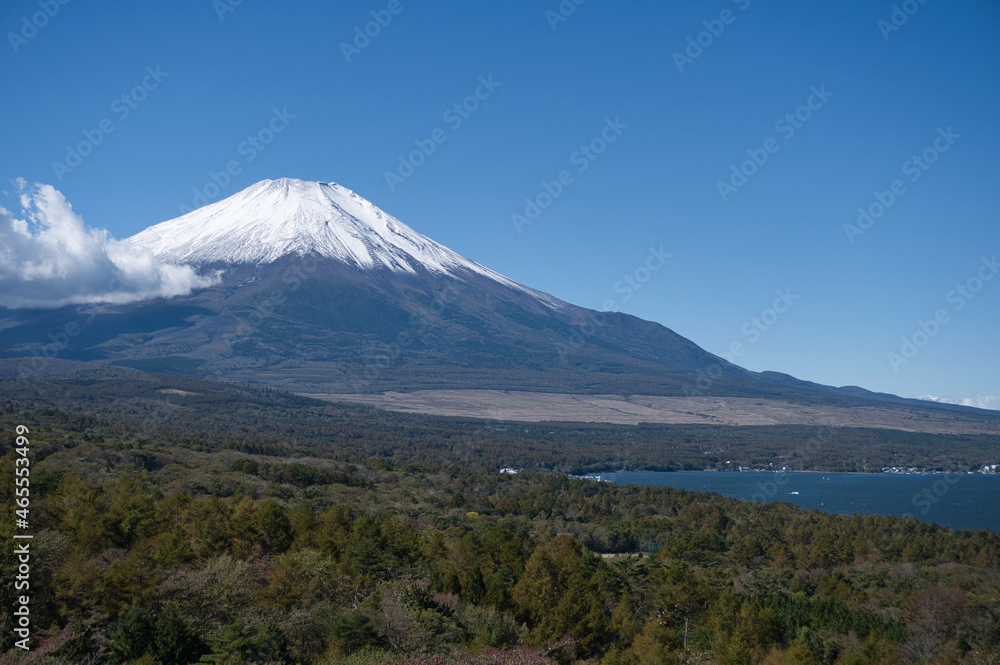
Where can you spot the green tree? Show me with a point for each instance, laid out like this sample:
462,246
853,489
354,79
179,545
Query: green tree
351,631
566,591
274,528
133,636
174,643
130,512
272,645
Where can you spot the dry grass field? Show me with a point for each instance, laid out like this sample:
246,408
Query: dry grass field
634,409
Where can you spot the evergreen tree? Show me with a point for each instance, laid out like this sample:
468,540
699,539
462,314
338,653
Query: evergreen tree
133,636
174,643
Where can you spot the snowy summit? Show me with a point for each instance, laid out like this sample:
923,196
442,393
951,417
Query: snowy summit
276,218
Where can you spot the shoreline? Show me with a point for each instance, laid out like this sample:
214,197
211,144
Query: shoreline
842,473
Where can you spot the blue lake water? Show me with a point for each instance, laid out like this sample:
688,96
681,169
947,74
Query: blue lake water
970,501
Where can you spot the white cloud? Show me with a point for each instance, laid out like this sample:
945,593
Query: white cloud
979,401
51,259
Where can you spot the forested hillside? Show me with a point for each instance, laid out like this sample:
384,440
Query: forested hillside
199,525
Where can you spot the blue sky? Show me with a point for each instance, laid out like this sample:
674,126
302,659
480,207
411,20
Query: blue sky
688,91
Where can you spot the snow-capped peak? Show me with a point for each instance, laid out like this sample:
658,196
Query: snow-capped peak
276,218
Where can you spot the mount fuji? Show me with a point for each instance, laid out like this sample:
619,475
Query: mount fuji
320,287
319,291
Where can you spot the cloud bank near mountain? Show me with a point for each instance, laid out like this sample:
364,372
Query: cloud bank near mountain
50,258
979,401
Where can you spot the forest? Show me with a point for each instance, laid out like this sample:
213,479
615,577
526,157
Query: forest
203,415
176,521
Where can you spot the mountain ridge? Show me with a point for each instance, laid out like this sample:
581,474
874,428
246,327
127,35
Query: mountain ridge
323,292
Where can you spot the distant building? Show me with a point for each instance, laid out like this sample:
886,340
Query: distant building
511,471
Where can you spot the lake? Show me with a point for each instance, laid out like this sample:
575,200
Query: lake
957,501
